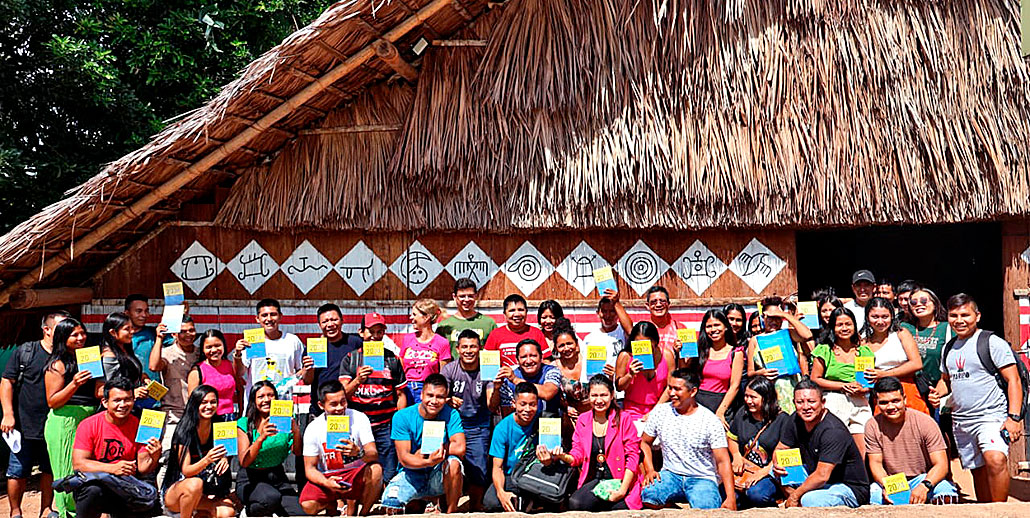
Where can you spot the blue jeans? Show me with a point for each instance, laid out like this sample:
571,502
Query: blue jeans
33,452
762,494
477,448
387,451
943,488
700,493
836,495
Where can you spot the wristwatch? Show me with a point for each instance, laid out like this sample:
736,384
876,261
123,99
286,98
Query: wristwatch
927,484
1016,417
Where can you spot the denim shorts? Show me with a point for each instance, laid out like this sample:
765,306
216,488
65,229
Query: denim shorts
33,452
409,485
700,493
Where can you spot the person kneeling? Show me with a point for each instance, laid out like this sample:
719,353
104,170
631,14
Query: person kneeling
105,443
347,472
900,441
198,477
432,473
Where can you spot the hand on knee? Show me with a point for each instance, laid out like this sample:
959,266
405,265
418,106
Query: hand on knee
374,474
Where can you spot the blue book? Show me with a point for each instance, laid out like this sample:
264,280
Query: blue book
432,436
281,415
642,351
151,422
897,489
489,365
88,359
550,432
174,294
597,358
225,436
862,364
688,343
256,339
604,280
318,350
791,461
372,355
337,430
777,352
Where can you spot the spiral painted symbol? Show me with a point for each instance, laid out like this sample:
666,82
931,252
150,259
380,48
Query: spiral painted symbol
526,267
641,267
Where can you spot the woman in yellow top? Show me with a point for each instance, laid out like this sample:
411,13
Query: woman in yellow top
833,369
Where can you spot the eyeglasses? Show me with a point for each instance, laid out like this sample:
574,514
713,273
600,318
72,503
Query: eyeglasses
658,302
921,301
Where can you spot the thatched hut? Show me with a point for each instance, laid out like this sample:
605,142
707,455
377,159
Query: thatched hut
725,149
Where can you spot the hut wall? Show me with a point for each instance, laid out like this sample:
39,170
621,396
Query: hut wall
1015,242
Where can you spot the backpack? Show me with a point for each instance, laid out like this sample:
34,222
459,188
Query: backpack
983,351
24,355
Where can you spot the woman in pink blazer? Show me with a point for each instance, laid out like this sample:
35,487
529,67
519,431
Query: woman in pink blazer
605,446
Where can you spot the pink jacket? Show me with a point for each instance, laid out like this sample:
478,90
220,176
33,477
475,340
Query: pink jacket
622,449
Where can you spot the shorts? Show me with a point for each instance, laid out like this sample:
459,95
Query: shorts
33,452
410,485
316,493
854,411
477,459
972,438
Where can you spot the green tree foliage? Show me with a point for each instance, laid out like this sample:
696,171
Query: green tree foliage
82,82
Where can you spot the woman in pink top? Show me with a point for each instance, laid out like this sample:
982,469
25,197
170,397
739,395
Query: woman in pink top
215,371
644,388
605,446
720,363
423,352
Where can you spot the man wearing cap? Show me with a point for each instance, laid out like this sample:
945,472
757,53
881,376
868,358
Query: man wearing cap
377,394
863,284
373,329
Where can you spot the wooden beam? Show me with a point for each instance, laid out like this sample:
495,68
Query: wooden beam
333,50
388,53
373,128
27,299
459,43
218,154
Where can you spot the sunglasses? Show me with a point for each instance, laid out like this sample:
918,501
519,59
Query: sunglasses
658,302
921,301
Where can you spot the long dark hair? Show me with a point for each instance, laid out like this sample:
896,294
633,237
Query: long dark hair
829,336
211,333
128,365
62,332
606,382
186,433
645,329
704,343
766,389
745,334
880,302
751,321
827,298
940,314
252,409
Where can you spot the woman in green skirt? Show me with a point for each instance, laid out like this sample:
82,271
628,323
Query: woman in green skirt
72,396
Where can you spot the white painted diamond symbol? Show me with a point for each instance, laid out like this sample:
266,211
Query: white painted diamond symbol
252,267
306,267
474,263
527,268
1025,256
699,267
416,267
360,268
578,267
197,267
641,267
756,265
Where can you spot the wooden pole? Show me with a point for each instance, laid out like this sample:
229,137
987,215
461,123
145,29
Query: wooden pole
27,299
389,54
213,158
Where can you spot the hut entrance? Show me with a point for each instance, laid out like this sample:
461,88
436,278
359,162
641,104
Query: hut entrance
948,258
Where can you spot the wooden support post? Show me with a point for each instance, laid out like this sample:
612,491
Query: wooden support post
25,299
218,154
389,54
371,128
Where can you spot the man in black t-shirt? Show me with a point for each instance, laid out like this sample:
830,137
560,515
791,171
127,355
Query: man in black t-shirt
837,475
340,344
27,414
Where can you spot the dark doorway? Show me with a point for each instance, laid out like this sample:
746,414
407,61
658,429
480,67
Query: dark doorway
947,258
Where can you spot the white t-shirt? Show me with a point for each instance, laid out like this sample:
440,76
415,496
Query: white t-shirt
283,358
687,440
314,440
859,312
613,342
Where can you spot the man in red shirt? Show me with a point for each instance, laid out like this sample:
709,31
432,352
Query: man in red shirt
658,306
506,339
105,443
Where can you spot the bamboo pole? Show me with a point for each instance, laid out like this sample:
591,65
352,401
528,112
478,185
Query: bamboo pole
389,54
30,298
213,158
365,128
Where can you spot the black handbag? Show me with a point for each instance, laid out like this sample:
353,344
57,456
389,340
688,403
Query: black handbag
552,483
218,486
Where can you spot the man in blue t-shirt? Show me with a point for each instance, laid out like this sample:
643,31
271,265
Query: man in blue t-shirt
514,436
427,474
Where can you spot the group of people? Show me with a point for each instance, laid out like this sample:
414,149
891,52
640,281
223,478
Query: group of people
425,427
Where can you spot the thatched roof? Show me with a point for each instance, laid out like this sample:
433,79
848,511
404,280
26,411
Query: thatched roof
676,114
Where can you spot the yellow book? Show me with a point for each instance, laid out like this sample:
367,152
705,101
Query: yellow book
642,351
156,390
281,415
225,436
550,432
337,429
318,350
88,359
151,422
772,354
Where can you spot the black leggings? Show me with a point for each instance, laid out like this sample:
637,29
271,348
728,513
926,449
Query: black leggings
267,491
92,500
584,499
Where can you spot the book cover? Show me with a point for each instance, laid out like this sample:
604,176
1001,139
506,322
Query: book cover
642,351
489,365
171,317
256,339
225,436
372,353
318,350
550,432
156,390
688,341
809,314
432,436
174,294
604,279
597,358
88,359
791,461
151,422
337,430
862,364
281,415
897,489
785,360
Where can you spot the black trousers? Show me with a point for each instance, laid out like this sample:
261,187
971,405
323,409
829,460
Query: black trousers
267,491
93,500
584,499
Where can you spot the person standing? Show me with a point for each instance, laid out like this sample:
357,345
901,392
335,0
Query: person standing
547,314
611,336
173,363
470,396
863,285
644,388
143,336
720,363
895,351
24,382
776,313
833,369
986,415
423,352
507,338
339,345
929,325
284,357
657,298
213,369
468,317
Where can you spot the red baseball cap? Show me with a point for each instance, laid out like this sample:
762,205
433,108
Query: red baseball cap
371,319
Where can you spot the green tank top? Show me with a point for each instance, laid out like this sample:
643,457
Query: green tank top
835,370
273,451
